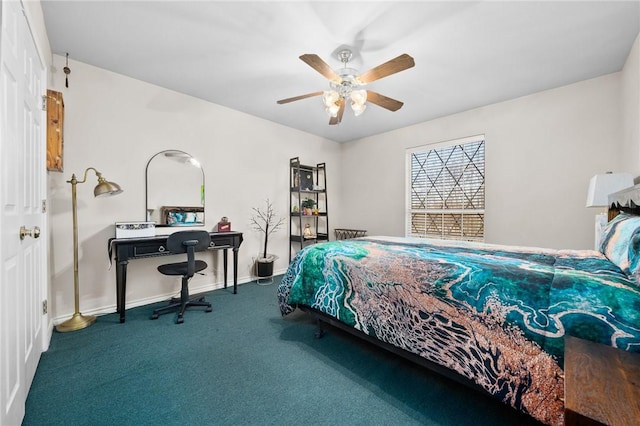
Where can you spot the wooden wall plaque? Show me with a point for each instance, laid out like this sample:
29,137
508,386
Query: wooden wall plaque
55,133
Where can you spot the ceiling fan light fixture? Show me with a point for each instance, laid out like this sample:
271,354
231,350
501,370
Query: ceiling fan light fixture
358,101
358,97
332,111
358,109
330,97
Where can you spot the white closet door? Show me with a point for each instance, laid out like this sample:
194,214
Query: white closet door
22,191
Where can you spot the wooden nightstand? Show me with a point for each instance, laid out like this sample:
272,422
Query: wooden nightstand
601,384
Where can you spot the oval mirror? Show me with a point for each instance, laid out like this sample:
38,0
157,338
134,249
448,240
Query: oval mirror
175,189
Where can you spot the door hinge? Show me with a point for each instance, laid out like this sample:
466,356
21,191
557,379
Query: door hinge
44,206
44,307
44,102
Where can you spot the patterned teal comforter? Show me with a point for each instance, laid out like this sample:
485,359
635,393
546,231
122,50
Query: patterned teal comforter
495,314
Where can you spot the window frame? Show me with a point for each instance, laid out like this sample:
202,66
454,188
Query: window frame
409,211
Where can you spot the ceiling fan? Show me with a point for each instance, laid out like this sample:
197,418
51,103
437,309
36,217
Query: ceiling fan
346,83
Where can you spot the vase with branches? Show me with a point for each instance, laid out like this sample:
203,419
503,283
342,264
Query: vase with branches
265,220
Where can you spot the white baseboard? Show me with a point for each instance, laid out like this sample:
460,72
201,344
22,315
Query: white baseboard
202,288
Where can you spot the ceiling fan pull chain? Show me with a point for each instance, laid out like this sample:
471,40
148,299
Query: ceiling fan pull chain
67,71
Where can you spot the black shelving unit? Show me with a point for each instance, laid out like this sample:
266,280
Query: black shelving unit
307,183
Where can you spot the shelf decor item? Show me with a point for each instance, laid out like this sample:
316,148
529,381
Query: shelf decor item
307,206
104,187
265,221
307,232
306,180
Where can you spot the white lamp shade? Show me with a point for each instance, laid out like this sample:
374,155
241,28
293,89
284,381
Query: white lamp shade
358,101
358,97
358,109
330,97
600,186
332,110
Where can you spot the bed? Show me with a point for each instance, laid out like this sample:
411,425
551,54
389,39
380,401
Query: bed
493,316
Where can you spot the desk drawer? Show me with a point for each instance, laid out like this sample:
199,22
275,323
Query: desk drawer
150,249
158,246
220,242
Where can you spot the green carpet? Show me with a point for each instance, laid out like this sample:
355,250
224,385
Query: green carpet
240,364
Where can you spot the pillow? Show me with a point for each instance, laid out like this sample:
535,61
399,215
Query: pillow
621,242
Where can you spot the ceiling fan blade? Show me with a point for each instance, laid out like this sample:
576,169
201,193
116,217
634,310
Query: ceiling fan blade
383,101
393,66
297,98
315,62
338,118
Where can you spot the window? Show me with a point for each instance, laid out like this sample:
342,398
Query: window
446,190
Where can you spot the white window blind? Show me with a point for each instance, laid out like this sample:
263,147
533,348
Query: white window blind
446,190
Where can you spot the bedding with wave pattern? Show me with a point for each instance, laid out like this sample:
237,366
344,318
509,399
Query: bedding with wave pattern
494,314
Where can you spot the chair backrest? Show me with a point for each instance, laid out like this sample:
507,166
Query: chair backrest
176,241
189,242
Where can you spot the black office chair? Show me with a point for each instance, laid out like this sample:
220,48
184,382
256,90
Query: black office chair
185,242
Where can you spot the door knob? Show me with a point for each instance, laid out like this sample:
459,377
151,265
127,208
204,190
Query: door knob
34,232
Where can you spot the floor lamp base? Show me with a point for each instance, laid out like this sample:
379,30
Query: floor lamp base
76,322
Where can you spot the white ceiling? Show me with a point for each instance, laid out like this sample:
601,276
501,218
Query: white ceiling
244,55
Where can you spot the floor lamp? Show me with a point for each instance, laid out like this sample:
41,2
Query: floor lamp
104,187
600,186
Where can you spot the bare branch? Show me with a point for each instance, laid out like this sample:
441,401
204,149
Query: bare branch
266,222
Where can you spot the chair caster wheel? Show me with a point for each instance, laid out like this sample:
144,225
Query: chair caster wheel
154,316
180,320
208,310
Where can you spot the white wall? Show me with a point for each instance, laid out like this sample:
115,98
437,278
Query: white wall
541,151
116,124
630,95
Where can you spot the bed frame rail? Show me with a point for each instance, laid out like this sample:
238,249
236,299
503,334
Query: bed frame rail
321,317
